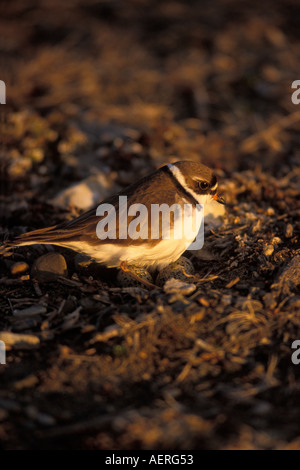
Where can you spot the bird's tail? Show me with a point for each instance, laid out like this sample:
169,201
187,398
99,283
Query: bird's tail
5,249
44,236
63,234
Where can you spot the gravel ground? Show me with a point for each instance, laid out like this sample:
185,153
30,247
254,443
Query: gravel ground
99,94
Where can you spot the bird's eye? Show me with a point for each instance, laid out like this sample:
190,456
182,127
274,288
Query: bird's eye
203,185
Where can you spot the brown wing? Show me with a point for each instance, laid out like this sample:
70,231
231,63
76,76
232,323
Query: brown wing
84,227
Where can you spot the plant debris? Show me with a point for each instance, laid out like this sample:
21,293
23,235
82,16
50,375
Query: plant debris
105,93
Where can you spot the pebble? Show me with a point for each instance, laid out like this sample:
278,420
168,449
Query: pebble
30,311
49,267
289,231
175,286
270,211
19,268
268,250
87,193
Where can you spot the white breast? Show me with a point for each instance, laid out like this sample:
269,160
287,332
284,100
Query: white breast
169,249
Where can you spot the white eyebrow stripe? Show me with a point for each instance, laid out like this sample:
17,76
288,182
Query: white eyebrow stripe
181,180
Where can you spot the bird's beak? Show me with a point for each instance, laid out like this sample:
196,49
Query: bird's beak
218,198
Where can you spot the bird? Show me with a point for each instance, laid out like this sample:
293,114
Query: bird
102,233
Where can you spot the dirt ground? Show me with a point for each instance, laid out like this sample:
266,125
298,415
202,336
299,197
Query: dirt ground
119,88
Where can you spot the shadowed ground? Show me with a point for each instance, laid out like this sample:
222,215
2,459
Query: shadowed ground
113,90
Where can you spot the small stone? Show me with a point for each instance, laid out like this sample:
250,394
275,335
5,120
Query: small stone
175,286
49,267
19,268
87,193
30,311
289,231
268,250
270,211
